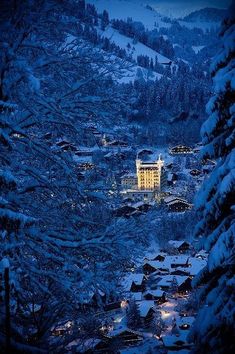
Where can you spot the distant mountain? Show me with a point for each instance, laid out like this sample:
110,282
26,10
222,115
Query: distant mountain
209,14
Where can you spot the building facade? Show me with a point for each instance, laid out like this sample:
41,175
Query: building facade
129,181
150,174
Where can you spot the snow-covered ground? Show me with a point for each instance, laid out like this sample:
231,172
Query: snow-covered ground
197,48
122,9
200,24
136,48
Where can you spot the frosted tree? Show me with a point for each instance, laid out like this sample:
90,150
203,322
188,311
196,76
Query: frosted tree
55,248
214,327
133,315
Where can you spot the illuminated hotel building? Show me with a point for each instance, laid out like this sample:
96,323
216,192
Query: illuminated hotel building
150,174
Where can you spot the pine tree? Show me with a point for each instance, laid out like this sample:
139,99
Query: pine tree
133,315
215,326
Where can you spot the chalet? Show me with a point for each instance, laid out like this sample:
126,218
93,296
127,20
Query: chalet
181,246
139,195
135,282
62,328
158,296
160,257
117,143
153,266
147,311
195,172
183,283
177,204
180,272
180,150
208,162
125,336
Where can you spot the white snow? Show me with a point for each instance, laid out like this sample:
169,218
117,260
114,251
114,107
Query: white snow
136,48
197,48
122,9
145,306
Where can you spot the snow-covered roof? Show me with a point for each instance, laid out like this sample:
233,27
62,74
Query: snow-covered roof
84,345
118,331
195,265
145,306
176,243
173,198
157,293
129,175
136,296
168,261
133,278
167,280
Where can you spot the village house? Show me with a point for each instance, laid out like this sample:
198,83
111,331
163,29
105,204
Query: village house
180,150
129,181
154,266
195,172
180,246
177,204
147,311
183,283
139,195
157,295
125,337
135,282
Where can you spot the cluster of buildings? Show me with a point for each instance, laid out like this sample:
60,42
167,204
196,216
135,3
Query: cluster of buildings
156,287
149,180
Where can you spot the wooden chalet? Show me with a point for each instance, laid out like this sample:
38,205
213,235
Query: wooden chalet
147,311
180,150
195,172
158,296
179,245
125,337
177,204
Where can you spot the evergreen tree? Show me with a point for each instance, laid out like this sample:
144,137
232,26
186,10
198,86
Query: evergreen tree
215,326
133,315
104,20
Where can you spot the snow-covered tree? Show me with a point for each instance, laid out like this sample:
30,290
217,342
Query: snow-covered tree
55,247
133,315
215,326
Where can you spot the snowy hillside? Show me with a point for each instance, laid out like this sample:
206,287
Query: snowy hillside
205,18
122,9
206,15
136,48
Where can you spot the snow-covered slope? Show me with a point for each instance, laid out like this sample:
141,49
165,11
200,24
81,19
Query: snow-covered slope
136,48
136,9
205,18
